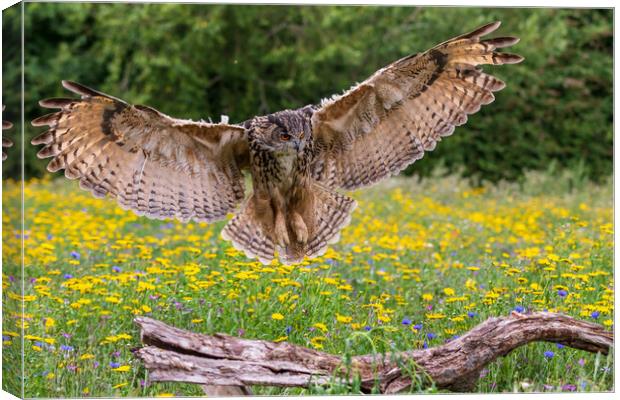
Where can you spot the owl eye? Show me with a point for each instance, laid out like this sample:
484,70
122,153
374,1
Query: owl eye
285,137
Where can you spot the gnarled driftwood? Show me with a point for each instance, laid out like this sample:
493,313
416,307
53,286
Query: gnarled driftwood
172,354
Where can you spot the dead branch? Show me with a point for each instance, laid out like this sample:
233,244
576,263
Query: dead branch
172,354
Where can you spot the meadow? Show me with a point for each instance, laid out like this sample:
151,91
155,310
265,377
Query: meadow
422,262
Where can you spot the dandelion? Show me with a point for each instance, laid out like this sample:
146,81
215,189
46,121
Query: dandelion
343,319
277,316
122,368
320,326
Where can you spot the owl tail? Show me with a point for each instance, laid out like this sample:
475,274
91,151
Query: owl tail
331,211
246,234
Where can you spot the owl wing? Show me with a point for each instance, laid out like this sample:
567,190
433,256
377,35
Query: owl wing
5,141
151,163
387,122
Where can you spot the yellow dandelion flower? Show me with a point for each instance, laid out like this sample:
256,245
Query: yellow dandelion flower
435,316
277,316
343,319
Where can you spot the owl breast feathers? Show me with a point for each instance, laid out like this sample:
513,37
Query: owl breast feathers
163,167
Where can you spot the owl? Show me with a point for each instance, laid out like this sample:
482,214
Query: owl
164,167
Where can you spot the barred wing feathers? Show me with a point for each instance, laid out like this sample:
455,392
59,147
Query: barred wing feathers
387,122
151,163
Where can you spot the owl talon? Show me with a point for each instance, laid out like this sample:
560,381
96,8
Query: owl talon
281,233
300,228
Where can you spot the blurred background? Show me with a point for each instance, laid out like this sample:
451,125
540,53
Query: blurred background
201,61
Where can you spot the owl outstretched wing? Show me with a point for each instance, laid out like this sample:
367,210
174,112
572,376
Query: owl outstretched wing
5,141
390,120
151,163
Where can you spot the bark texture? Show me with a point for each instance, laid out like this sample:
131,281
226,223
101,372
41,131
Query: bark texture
172,354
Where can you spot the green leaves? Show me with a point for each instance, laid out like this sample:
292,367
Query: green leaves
201,61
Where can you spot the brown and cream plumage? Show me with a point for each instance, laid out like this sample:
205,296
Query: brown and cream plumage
163,167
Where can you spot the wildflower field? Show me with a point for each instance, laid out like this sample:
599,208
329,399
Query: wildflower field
421,263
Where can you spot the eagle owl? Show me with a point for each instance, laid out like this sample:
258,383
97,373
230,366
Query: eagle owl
164,167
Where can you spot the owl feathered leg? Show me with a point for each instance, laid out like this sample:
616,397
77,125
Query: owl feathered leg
303,225
315,221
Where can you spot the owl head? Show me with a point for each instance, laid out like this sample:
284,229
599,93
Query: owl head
284,132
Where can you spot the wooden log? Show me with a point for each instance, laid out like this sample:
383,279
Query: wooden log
173,354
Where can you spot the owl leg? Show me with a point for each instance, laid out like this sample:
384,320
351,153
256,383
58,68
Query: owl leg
280,230
299,227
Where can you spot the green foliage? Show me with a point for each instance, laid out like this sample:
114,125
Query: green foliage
201,61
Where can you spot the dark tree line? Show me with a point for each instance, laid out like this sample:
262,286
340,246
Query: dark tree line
201,61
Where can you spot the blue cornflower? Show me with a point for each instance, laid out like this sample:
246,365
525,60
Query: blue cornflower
431,336
116,268
417,327
68,276
519,309
549,354
562,293
288,330
75,255
367,328
66,348
595,314
559,345
471,314
114,364
406,321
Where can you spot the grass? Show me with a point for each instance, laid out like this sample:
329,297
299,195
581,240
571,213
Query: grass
420,263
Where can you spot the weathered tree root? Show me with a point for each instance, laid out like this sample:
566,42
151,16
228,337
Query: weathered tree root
173,354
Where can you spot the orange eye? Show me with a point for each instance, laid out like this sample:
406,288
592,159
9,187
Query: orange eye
285,137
